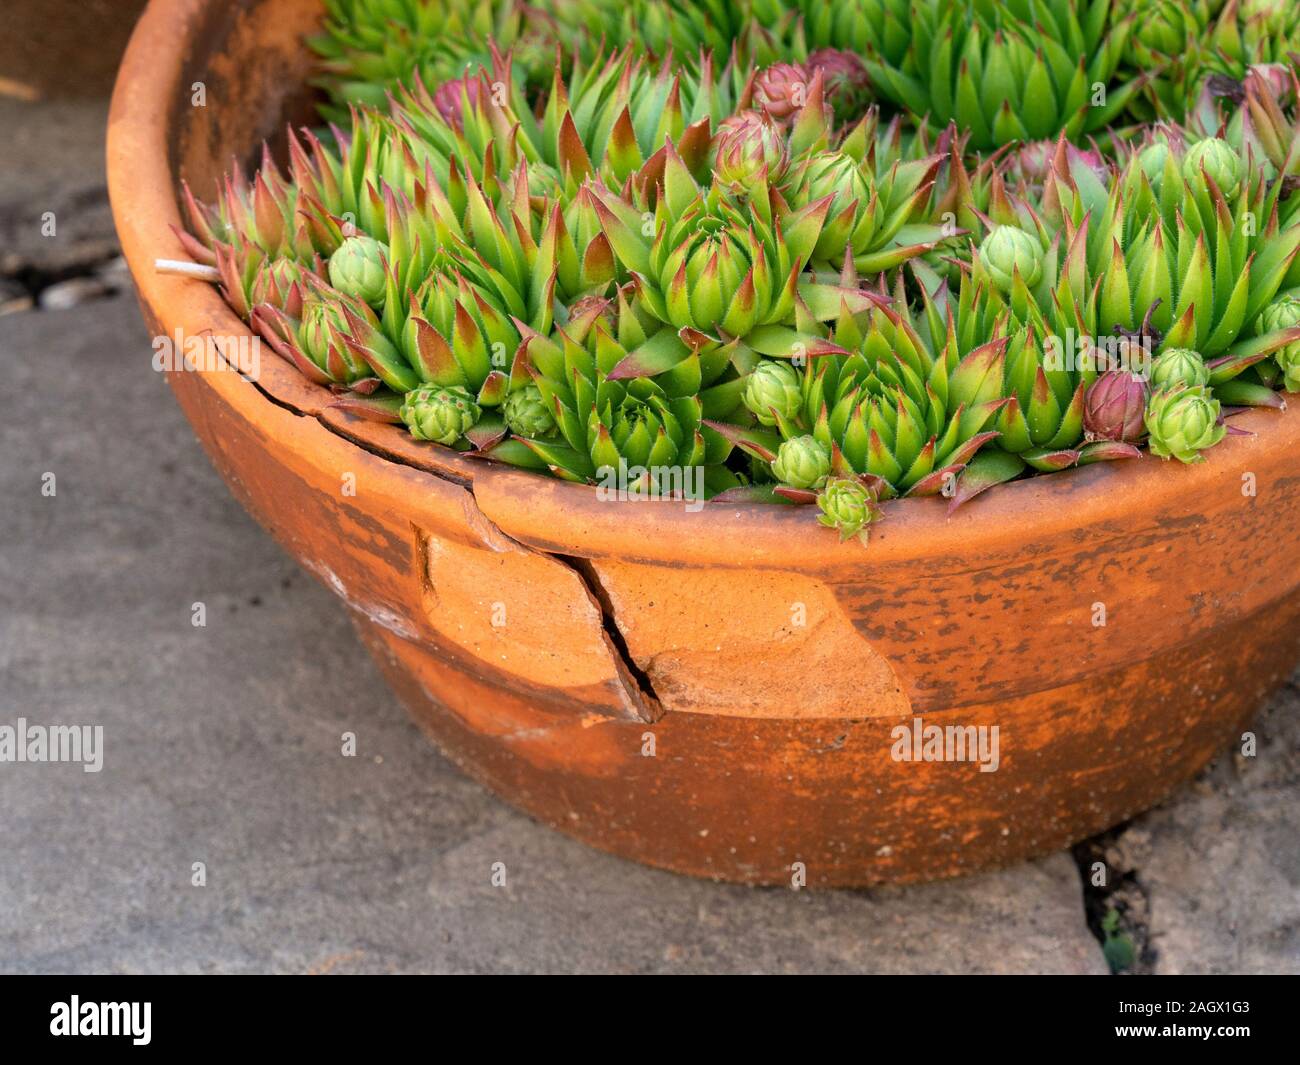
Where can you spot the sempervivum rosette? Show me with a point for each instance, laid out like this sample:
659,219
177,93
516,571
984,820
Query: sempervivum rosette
606,421
1184,422
750,150
889,405
722,272
875,217
1007,70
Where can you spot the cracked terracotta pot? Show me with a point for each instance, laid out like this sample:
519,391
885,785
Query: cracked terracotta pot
548,642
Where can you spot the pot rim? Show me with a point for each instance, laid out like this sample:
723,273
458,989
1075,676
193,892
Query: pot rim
569,518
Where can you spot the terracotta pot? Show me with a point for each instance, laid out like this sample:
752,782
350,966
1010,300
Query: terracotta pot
718,692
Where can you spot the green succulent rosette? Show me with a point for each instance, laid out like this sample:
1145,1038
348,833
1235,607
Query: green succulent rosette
848,506
357,269
1006,70
1009,252
527,414
875,218
773,390
1215,159
725,270
441,415
1284,314
802,462
611,420
1182,423
1178,367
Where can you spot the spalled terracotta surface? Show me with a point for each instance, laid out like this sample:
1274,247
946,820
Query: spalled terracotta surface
550,642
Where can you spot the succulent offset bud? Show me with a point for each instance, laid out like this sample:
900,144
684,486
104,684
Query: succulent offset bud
1113,407
848,506
847,84
357,268
449,98
1179,366
526,413
802,462
1034,162
773,386
781,90
442,415
1009,250
1284,313
1152,160
1217,160
1183,422
749,146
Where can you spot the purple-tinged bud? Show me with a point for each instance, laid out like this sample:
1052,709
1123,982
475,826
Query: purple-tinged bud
781,90
1114,405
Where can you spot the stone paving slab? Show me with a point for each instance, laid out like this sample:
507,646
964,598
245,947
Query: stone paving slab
1220,863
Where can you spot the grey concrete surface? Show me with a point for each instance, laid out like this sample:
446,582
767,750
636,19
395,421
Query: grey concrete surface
54,214
1221,865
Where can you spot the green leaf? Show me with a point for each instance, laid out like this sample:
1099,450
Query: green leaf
989,468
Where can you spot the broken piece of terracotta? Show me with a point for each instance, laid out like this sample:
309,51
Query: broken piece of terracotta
730,693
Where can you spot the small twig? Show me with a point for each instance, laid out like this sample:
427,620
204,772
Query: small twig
187,269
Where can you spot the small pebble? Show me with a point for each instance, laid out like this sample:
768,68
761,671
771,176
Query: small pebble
70,293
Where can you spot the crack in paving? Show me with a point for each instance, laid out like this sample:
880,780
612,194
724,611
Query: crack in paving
1121,891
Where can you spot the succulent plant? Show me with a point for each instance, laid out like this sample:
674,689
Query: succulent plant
874,216
848,506
1215,159
1284,313
723,271
357,269
526,413
750,150
781,90
673,242
1007,71
1183,422
847,84
802,462
1008,253
1248,32
1114,405
1178,366
886,402
367,47
773,391
442,415
608,417
1177,255
321,340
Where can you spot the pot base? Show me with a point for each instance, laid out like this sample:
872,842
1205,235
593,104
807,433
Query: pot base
736,799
